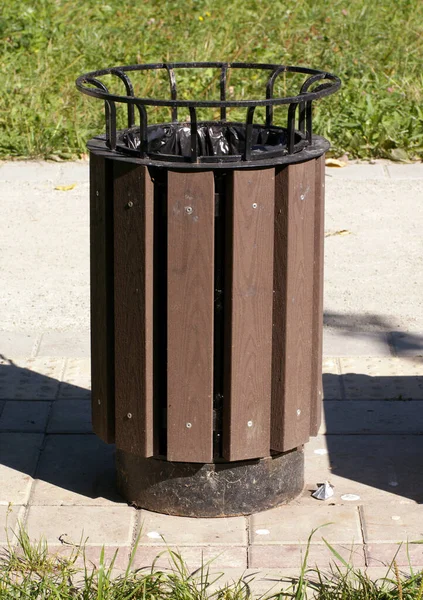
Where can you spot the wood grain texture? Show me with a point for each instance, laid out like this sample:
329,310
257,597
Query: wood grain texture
190,316
293,307
317,332
248,315
101,267
133,277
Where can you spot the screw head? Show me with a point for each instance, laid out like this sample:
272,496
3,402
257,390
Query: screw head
188,210
188,425
298,412
250,423
254,204
130,204
99,401
129,415
302,196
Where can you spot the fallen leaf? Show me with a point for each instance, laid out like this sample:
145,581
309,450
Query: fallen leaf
334,162
339,232
65,188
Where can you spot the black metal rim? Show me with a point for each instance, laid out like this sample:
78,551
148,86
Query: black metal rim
327,84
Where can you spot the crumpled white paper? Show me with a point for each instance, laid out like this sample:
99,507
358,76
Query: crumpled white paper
324,491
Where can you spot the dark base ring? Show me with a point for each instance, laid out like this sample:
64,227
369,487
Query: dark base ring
210,490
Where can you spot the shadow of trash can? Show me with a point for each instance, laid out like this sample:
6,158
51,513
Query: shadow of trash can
207,285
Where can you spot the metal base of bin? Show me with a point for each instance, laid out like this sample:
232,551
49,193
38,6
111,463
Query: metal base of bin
210,490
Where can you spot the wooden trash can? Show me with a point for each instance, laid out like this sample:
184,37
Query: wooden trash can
206,308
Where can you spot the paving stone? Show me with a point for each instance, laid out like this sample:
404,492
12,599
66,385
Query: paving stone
92,556
17,343
382,378
108,525
76,379
186,531
293,524
221,556
75,171
355,343
69,344
414,171
25,170
383,554
10,516
357,172
378,469
75,470
70,416
407,344
19,454
331,379
292,555
262,583
373,417
24,415
393,524
30,378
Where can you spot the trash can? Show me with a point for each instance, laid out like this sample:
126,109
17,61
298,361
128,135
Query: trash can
206,287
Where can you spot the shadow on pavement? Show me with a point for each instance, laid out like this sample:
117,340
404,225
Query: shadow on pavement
374,428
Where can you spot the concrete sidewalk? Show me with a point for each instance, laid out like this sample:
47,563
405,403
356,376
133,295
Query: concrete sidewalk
59,477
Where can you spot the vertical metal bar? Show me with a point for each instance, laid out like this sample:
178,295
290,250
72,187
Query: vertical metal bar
143,130
309,121
249,132
110,113
223,74
194,143
173,91
129,92
269,94
291,127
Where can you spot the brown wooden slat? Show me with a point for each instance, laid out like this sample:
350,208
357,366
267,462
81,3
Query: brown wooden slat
101,256
133,277
317,335
293,306
190,316
248,315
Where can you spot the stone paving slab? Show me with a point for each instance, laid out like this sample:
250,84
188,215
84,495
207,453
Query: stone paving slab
373,417
366,469
332,389
407,344
110,526
405,554
75,470
403,172
69,344
355,343
358,172
30,378
76,379
18,343
293,525
392,524
25,416
19,454
194,556
70,416
9,519
157,529
292,555
382,378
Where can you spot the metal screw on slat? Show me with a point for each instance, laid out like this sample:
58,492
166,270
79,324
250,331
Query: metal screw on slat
250,423
130,204
129,415
188,210
189,425
254,204
99,401
298,412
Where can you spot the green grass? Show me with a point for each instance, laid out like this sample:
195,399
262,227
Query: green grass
375,47
29,572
